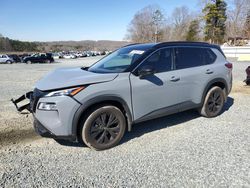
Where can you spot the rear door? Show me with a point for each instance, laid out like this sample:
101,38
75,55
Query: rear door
194,67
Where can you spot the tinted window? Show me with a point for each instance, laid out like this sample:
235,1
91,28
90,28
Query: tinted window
186,57
161,60
121,59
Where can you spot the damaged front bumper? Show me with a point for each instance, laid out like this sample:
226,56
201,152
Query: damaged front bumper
33,98
27,106
55,123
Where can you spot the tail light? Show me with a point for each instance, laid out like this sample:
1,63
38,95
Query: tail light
229,65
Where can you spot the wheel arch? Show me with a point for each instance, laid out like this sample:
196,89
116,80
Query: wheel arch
220,82
112,100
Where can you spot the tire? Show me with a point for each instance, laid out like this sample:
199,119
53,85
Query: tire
8,62
28,62
103,128
47,61
213,103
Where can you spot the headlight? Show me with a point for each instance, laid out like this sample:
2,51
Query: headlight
49,106
65,92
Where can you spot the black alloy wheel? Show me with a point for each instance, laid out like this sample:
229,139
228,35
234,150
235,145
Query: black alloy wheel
104,127
213,103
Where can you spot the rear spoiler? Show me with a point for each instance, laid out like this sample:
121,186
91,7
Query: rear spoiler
23,97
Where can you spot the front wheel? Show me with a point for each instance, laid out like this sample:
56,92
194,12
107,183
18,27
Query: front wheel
104,127
8,62
213,103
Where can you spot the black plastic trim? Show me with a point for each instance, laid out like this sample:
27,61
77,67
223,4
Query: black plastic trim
168,111
44,132
94,101
210,83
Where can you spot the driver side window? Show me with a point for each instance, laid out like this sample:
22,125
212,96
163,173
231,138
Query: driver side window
160,60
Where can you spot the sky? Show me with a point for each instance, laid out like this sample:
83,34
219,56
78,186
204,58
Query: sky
54,20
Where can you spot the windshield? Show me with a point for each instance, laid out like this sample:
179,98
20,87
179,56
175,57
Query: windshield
118,61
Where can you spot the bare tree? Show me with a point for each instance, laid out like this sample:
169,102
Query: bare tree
181,17
146,25
236,17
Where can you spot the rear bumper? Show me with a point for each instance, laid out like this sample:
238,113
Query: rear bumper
41,130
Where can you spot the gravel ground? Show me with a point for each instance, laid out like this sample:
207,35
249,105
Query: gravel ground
181,150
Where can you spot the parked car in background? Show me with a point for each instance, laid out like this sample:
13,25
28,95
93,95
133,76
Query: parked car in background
15,57
22,56
69,56
39,58
6,59
56,56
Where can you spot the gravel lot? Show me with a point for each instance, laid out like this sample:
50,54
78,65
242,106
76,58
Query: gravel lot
181,150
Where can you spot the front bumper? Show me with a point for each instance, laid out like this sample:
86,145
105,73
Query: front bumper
55,123
44,132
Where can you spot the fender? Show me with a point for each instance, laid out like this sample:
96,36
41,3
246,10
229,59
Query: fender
97,100
210,83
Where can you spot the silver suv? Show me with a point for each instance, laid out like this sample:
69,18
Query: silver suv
135,83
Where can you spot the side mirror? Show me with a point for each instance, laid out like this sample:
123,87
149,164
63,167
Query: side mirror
146,71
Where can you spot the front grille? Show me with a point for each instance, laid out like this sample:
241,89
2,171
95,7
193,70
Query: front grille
37,94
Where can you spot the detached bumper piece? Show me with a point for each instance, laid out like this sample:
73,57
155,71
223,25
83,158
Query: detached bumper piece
27,106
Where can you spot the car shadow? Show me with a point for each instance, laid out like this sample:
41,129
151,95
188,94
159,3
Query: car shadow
228,104
140,129
155,80
167,121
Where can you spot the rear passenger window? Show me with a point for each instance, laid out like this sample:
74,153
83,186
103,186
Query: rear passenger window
161,60
186,57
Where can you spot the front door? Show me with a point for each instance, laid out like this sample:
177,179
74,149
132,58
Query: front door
156,94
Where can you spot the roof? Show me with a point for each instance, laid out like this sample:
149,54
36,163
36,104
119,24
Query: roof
141,46
185,43
173,43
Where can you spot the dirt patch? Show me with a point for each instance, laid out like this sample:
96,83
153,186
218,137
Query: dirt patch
17,136
240,87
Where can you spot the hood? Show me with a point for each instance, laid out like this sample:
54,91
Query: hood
70,77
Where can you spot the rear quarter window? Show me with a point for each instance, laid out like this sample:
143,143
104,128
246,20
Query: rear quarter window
187,57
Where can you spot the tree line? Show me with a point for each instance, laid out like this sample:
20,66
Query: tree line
7,45
215,23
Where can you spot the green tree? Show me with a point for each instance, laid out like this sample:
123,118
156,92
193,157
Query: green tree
215,21
193,31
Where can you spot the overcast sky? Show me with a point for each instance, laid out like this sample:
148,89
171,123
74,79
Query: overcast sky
52,20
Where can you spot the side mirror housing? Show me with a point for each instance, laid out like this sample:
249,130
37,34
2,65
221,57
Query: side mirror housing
146,71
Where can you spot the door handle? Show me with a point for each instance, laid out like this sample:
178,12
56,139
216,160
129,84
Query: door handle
208,71
174,79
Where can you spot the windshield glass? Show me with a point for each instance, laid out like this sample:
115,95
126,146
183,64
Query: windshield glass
118,61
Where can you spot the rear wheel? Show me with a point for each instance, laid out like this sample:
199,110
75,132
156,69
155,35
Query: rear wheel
28,62
213,102
104,127
8,62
